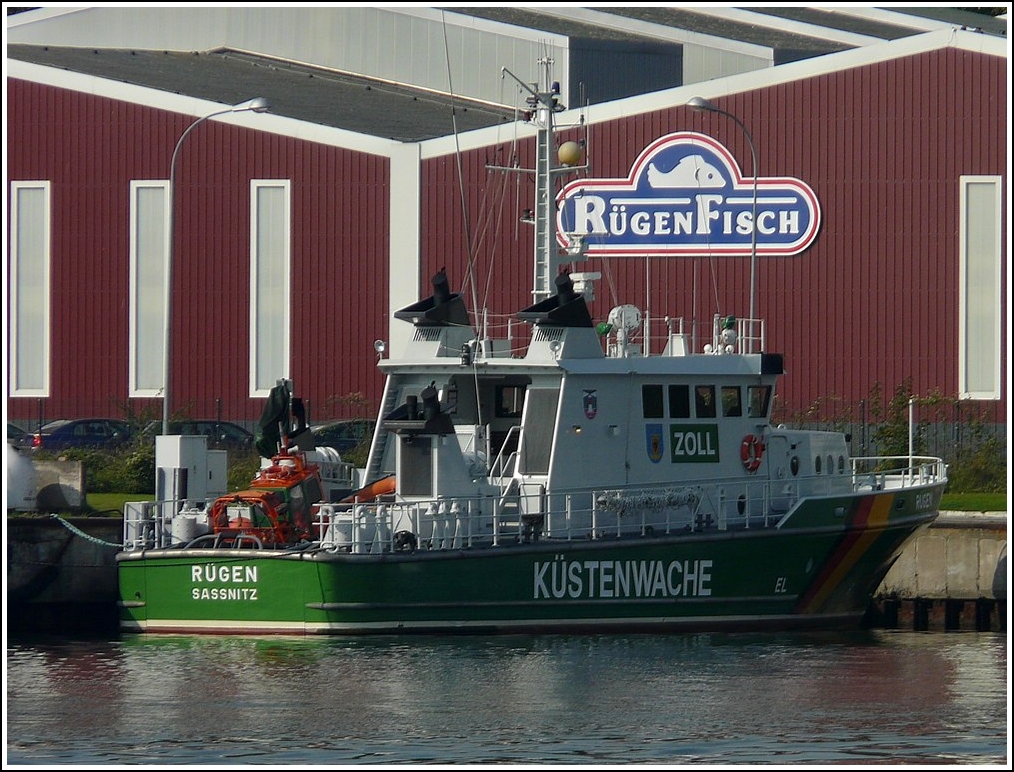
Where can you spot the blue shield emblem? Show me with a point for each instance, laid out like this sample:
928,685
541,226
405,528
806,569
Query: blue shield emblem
655,442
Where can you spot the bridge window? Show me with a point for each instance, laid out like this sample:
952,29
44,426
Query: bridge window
759,400
704,399
679,401
651,400
509,401
732,401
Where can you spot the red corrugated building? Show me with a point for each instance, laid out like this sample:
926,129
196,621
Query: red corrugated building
904,144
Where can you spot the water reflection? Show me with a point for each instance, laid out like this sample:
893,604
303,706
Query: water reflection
870,697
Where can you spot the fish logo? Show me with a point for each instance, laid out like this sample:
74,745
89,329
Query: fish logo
690,172
591,404
655,443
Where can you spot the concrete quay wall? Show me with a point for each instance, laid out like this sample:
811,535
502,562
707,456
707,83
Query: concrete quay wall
952,576
61,573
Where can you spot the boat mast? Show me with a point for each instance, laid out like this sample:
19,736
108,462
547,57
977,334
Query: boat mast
544,102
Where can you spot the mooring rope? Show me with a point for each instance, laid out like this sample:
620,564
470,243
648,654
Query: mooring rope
75,530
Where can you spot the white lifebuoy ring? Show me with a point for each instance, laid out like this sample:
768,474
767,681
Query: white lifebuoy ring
751,452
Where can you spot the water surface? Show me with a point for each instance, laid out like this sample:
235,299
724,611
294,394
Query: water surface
877,697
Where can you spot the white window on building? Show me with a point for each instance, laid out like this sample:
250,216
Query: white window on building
270,258
149,246
980,322
30,207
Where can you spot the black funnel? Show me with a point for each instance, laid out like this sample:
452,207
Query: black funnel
431,405
441,289
564,309
442,308
565,289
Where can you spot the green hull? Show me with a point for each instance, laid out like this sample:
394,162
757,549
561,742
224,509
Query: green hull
818,568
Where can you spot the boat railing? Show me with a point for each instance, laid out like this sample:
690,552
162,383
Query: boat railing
526,512
890,472
674,336
736,335
668,336
161,524
530,515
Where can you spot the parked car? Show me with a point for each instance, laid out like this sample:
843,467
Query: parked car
345,435
15,433
78,433
222,435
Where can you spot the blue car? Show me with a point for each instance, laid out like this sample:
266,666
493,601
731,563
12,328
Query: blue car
78,433
15,433
222,435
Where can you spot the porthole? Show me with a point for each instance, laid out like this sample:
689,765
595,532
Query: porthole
794,465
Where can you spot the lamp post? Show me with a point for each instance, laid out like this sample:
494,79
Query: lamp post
257,105
702,104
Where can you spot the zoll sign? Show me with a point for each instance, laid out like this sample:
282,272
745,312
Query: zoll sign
686,195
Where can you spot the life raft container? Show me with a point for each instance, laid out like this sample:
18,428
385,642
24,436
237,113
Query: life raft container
751,452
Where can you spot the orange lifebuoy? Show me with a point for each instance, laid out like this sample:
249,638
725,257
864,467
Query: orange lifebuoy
751,451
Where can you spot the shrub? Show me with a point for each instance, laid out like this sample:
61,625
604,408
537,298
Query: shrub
359,455
131,468
242,467
980,470
124,469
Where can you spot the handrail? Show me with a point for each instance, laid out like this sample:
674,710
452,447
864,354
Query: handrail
526,510
217,539
497,470
587,513
749,335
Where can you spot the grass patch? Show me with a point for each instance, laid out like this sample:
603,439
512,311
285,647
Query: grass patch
111,504
974,502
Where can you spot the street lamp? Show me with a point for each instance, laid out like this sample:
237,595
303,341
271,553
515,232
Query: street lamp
257,105
702,104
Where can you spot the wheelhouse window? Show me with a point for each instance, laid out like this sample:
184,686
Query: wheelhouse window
651,400
510,400
732,401
759,399
679,401
704,402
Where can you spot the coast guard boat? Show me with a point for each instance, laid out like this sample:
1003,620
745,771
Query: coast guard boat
584,485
